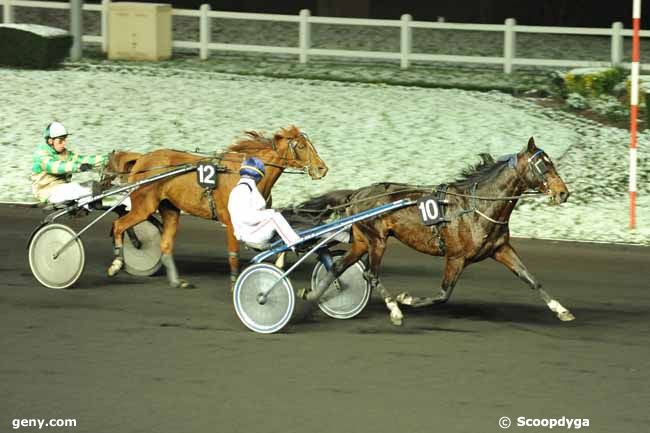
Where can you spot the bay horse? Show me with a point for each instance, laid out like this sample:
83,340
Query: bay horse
287,148
479,207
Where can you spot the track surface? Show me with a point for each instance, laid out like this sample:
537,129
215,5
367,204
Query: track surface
130,354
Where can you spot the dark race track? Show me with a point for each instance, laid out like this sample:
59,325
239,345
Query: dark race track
131,355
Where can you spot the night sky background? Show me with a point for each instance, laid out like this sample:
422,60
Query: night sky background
580,13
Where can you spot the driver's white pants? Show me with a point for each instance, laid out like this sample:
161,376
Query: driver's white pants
67,192
263,232
72,191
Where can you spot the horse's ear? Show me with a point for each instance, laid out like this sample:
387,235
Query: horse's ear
291,131
531,145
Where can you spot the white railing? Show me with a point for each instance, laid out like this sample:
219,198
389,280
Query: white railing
304,50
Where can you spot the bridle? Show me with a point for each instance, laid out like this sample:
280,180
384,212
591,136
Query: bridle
291,149
539,168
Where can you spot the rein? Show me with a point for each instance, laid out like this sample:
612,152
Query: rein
219,157
423,189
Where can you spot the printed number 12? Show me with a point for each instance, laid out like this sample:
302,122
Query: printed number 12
206,174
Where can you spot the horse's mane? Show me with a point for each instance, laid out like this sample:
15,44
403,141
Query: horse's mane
253,140
483,171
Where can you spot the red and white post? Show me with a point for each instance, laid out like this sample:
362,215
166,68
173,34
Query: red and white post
634,102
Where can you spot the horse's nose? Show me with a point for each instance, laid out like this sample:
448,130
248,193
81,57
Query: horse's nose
320,171
564,196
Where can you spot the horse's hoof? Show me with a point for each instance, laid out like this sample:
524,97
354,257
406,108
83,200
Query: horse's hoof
182,284
396,319
566,316
115,267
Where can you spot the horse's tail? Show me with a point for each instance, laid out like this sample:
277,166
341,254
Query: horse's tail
316,210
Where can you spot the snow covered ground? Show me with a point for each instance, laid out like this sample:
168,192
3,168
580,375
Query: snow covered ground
365,132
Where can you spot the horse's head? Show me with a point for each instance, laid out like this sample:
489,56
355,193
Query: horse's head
539,173
119,164
299,152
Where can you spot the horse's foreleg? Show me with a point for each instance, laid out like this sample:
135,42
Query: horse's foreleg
170,219
233,255
509,258
453,268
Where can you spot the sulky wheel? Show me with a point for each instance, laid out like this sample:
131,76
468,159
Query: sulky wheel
263,314
145,260
51,270
348,295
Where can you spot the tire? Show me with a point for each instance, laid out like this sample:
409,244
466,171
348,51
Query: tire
146,260
64,270
352,294
275,311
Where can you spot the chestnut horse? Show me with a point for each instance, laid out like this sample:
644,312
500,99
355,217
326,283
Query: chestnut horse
288,148
118,166
478,210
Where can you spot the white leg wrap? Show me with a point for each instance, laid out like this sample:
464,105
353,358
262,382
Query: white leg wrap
562,313
405,299
396,315
115,267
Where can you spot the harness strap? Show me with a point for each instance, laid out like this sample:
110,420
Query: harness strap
213,209
441,193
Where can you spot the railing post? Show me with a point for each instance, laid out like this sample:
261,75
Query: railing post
7,12
405,40
76,29
104,24
205,31
305,35
509,45
617,43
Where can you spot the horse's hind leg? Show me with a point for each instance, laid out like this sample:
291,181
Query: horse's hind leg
453,268
170,218
121,211
510,259
375,255
357,250
125,222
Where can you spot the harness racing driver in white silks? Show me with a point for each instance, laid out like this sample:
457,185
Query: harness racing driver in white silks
253,224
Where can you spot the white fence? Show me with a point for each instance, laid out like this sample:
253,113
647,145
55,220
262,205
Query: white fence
304,50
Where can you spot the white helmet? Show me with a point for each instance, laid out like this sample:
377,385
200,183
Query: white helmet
54,130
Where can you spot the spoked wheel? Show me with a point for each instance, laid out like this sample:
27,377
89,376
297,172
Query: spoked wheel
51,270
263,313
145,260
348,295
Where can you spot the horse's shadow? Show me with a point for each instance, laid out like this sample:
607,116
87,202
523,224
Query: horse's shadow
514,313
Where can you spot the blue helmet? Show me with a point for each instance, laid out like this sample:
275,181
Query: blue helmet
253,167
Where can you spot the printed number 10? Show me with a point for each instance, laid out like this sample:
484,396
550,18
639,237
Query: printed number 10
429,210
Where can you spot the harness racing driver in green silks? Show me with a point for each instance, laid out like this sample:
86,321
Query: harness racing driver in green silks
53,166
